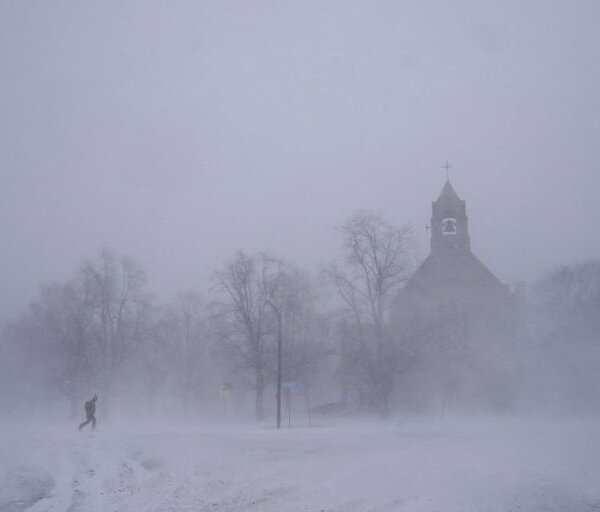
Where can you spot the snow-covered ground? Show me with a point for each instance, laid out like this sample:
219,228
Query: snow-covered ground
493,464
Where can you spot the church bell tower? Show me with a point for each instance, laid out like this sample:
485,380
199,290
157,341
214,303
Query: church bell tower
449,224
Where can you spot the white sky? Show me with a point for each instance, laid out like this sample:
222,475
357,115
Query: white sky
179,131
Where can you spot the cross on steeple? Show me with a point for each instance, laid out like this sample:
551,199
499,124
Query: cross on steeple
447,166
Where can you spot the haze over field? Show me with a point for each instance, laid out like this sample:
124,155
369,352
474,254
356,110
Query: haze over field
323,256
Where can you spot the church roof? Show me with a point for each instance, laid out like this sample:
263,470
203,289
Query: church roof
448,194
464,270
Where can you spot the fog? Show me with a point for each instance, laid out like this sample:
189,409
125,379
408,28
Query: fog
293,236
179,134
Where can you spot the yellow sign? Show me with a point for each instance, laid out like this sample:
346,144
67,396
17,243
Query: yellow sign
225,390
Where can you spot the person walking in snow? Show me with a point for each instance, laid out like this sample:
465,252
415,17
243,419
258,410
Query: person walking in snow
90,413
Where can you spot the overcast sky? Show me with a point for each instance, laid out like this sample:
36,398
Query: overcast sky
180,131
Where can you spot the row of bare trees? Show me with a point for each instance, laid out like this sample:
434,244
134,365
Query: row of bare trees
83,330
377,259
102,330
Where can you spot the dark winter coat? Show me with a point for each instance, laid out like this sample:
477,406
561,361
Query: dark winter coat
90,408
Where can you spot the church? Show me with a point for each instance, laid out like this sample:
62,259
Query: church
455,317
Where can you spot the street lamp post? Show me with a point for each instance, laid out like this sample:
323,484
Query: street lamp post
279,351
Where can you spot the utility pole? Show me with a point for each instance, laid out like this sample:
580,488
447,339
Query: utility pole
279,356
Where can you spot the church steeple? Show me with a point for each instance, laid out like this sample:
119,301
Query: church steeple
448,194
449,223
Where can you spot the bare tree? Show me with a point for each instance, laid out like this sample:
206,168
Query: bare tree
36,339
121,306
78,310
52,336
76,335
243,318
569,296
185,321
305,330
377,260
566,325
